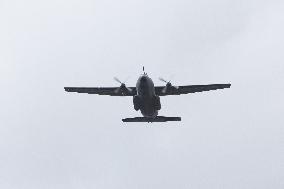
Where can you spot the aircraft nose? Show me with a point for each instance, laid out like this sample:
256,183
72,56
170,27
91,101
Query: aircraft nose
143,79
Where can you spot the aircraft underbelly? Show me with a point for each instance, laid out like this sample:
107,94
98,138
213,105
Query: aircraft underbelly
147,108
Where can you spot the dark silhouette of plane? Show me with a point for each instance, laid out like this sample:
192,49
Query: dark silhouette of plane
146,97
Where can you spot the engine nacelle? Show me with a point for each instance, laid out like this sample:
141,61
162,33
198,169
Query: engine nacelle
137,102
157,103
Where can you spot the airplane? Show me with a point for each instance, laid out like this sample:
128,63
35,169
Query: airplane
146,96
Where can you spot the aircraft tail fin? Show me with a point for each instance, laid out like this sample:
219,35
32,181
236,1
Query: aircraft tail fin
150,120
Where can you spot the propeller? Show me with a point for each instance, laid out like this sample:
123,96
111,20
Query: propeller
122,87
168,85
116,79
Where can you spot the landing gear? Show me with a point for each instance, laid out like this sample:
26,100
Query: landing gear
137,102
157,103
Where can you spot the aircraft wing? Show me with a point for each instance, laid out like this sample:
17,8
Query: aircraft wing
172,90
111,91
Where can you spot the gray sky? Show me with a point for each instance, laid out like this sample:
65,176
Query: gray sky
231,138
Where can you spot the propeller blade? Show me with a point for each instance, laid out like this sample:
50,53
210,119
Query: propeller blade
176,87
116,79
126,79
163,80
171,78
122,87
129,90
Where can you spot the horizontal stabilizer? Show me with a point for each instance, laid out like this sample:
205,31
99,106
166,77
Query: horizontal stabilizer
150,120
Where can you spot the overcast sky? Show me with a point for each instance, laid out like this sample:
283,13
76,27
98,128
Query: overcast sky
232,138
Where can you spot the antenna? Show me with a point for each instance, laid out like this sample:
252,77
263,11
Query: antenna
144,71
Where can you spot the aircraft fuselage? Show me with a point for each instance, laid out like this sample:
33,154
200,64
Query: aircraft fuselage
146,100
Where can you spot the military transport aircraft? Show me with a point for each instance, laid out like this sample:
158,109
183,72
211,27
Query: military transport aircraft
146,97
